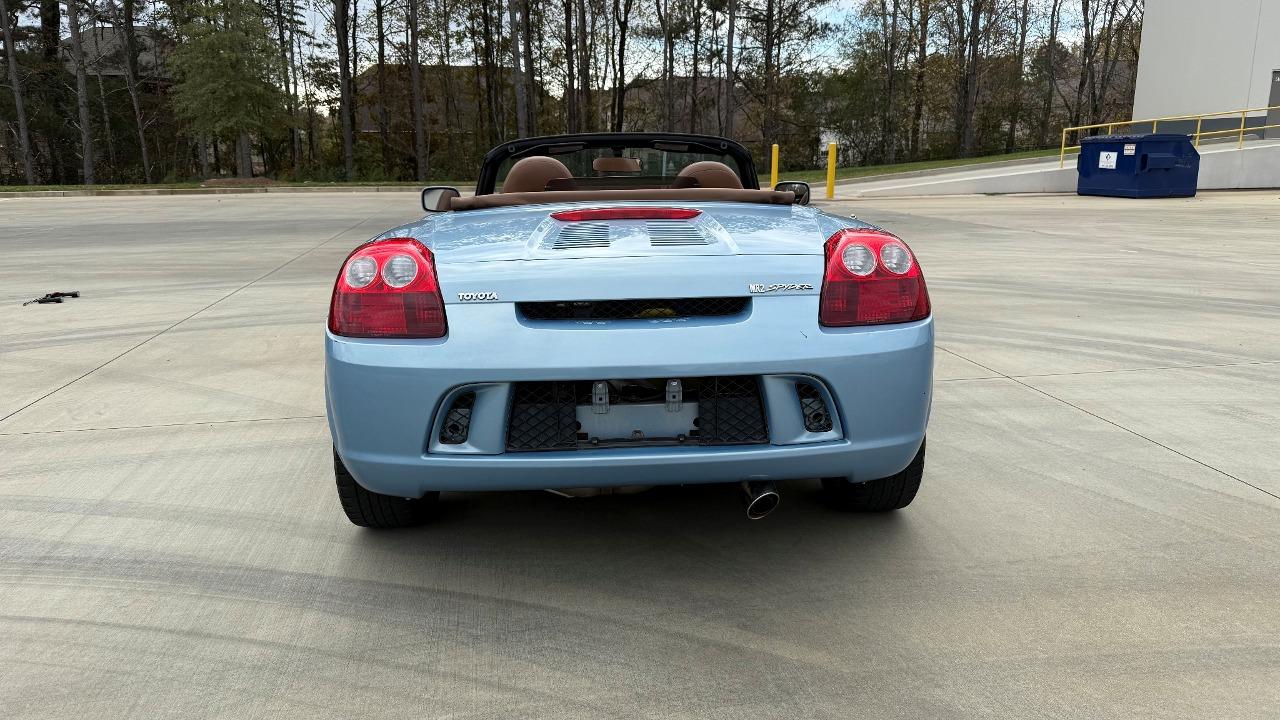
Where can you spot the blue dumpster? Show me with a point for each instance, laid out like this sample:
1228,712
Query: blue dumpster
1138,166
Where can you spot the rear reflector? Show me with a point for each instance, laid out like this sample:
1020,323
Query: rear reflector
626,213
388,289
872,278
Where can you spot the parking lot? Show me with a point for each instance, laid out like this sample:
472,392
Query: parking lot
1097,535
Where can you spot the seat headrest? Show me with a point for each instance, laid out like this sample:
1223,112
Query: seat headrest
532,174
711,174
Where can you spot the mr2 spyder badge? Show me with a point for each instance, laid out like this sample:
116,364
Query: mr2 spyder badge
787,287
477,296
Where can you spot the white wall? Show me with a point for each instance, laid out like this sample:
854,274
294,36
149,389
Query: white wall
1203,56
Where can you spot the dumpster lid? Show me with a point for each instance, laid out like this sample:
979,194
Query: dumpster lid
1133,138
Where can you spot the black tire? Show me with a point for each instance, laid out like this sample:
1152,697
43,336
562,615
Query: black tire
892,493
375,510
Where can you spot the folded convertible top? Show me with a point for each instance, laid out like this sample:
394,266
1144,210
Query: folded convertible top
767,197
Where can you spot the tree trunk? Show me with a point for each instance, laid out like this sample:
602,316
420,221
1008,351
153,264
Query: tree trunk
106,124
517,79
202,147
530,68
415,70
15,82
889,28
693,62
1015,112
1086,52
82,90
131,82
586,113
294,145
922,56
622,18
969,95
244,156
1046,110
384,121
662,10
354,50
571,122
344,89
729,70
770,82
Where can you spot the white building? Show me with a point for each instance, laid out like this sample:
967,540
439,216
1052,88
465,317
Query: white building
1202,57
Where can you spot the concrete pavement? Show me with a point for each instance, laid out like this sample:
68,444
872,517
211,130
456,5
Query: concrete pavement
1096,535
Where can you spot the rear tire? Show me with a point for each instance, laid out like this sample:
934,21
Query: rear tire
883,495
375,510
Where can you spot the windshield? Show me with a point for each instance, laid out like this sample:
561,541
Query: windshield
624,168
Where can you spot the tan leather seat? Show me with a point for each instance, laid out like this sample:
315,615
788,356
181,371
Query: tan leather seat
616,165
532,174
711,174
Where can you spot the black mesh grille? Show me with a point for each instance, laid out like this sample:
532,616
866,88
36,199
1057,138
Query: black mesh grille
544,414
817,417
457,421
634,309
730,412
543,417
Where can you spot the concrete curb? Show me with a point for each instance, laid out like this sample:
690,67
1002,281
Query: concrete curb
1071,158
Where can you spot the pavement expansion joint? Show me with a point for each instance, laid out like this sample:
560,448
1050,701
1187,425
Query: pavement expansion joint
1113,423
164,425
264,276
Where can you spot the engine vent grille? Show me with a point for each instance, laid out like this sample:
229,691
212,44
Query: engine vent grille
582,235
640,309
817,416
674,233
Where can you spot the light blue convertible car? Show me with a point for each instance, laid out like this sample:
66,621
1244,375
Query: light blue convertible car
617,310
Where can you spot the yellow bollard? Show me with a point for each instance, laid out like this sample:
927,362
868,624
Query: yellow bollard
773,173
831,171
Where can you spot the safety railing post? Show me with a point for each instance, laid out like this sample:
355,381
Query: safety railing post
1198,121
773,167
1244,115
831,171
1062,153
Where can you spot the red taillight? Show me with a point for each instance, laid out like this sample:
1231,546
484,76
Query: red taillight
626,213
388,289
872,278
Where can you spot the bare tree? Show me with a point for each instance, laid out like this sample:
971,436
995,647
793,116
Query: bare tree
82,90
384,118
622,18
340,26
15,82
889,41
730,70
517,81
1050,67
920,27
1022,21
415,75
131,81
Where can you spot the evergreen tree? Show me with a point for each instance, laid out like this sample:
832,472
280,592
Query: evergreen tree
226,73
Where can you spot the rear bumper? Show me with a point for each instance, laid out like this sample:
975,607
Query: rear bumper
384,396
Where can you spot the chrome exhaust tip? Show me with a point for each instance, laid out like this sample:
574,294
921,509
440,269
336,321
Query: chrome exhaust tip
761,498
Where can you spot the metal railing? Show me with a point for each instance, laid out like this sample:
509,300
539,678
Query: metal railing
1155,124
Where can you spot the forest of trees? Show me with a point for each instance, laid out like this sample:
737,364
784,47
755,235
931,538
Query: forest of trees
118,91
